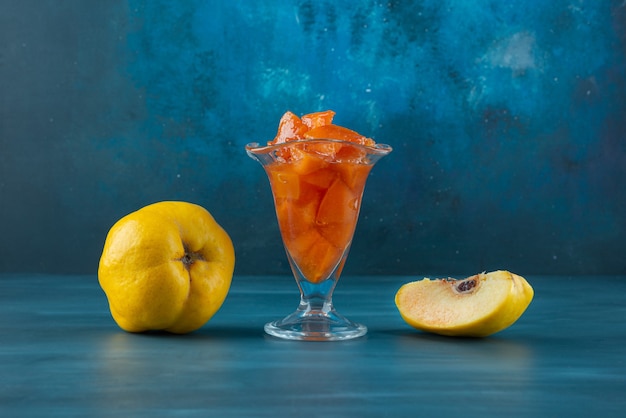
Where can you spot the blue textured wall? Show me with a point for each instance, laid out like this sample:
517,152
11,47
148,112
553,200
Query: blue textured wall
508,121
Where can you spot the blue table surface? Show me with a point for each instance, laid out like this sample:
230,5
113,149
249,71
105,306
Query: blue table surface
61,354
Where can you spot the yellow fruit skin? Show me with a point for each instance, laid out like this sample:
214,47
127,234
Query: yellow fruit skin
458,314
143,275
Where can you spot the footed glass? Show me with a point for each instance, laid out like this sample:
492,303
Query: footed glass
317,185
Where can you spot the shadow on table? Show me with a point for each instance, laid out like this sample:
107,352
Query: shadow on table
209,332
509,350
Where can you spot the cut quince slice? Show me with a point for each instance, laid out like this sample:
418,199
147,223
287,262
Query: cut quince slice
317,125
317,119
290,128
285,185
335,132
478,306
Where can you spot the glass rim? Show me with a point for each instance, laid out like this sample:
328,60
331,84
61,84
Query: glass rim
377,148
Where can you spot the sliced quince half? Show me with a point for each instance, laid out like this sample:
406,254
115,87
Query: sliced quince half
477,306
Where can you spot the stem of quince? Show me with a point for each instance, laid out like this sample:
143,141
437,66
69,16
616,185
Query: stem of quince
189,258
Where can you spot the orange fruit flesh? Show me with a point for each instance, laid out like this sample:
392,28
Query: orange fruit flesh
317,190
317,213
319,125
317,119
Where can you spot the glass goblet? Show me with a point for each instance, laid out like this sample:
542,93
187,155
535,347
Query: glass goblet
317,185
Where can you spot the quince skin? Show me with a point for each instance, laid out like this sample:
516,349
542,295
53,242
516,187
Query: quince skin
167,266
478,306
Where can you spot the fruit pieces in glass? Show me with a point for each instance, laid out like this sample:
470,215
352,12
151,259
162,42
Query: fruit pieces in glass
317,189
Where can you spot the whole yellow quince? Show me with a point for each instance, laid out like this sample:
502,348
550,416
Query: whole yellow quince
167,266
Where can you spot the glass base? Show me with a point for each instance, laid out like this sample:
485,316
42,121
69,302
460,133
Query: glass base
315,326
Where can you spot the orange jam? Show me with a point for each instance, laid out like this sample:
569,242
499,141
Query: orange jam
317,188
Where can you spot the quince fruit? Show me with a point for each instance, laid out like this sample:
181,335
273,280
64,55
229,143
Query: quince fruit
167,266
477,306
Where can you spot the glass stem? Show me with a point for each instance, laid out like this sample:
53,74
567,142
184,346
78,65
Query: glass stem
316,306
315,298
